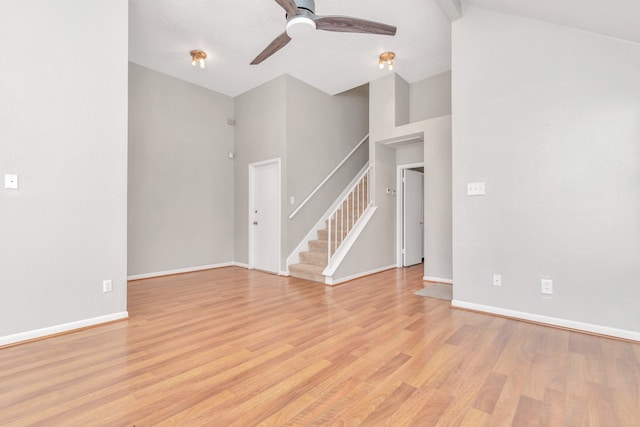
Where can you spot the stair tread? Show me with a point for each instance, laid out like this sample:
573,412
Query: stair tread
314,257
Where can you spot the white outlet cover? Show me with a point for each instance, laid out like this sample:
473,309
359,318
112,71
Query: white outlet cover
475,189
546,286
497,280
10,181
107,286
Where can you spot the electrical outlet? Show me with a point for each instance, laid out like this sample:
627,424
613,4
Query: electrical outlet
497,280
546,286
107,286
475,189
11,181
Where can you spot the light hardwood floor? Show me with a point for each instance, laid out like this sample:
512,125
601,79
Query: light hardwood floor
233,347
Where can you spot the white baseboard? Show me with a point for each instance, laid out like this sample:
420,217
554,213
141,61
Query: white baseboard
240,264
331,282
65,327
182,270
437,279
554,321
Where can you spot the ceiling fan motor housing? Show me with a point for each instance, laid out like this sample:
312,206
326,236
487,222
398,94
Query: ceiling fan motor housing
309,5
302,26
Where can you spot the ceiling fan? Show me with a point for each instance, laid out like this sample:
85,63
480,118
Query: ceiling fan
301,19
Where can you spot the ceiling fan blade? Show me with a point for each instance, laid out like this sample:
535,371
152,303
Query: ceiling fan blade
346,24
277,44
289,6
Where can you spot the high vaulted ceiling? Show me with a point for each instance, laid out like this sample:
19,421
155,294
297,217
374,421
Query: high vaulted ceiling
233,32
614,18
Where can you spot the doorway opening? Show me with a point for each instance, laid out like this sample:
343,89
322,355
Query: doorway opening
410,214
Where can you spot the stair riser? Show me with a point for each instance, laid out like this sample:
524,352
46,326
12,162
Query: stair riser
340,228
314,258
345,218
312,277
323,235
303,272
318,245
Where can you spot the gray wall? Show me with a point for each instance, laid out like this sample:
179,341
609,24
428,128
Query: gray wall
549,118
64,132
380,231
430,97
402,104
321,130
385,94
180,176
260,134
438,221
410,153
375,247
311,132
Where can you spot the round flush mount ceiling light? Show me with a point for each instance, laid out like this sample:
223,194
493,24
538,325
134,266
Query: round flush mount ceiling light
300,26
386,58
198,56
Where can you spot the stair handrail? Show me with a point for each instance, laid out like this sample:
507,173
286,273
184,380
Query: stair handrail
357,200
327,178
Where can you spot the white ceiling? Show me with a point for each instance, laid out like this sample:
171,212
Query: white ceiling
233,32
614,18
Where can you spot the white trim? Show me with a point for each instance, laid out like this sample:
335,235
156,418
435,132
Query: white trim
554,321
437,279
179,271
65,327
240,264
398,141
252,167
315,190
329,280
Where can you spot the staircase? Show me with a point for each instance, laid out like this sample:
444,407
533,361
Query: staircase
336,228
312,262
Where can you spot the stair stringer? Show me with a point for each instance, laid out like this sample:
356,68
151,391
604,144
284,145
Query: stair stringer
294,257
347,243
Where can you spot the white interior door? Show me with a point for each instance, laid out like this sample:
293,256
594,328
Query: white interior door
413,219
264,216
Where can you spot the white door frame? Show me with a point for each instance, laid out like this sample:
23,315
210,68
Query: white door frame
252,171
399,216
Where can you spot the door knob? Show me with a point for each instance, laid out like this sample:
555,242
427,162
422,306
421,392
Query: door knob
255,222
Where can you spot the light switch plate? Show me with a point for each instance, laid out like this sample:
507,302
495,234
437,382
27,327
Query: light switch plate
10,181
475,189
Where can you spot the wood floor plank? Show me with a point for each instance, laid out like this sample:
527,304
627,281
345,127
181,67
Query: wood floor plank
232,346
488,395
434,410
528,412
